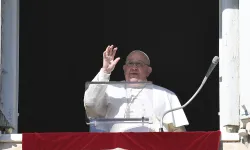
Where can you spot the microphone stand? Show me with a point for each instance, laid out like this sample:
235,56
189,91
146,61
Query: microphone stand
214,63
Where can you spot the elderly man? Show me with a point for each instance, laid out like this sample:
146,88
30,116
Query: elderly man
99,103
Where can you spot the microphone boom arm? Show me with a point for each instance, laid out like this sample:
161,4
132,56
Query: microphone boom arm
214,63
161,121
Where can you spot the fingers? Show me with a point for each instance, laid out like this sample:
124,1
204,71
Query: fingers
116,60
105,53
114,52
110,51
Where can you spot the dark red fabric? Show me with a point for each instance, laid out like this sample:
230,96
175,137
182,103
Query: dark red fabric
130,141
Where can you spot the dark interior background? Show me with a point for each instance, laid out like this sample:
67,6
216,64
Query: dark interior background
61,46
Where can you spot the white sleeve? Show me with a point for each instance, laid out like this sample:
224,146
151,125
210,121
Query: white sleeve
95,101
177,117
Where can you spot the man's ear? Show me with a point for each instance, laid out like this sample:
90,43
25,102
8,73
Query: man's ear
149,71
124,68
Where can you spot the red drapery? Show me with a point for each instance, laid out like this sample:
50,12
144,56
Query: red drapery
129,141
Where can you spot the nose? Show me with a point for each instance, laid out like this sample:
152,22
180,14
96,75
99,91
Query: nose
134,67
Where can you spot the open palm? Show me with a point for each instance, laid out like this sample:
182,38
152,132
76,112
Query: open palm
109,62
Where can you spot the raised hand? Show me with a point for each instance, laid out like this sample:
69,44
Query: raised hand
108,59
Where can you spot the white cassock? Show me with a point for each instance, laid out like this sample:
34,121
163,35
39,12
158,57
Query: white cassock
116,101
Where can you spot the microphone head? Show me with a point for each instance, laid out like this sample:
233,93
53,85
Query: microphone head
215,60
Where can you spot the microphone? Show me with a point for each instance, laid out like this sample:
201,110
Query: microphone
211,68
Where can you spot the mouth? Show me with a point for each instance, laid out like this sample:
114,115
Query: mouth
133,74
